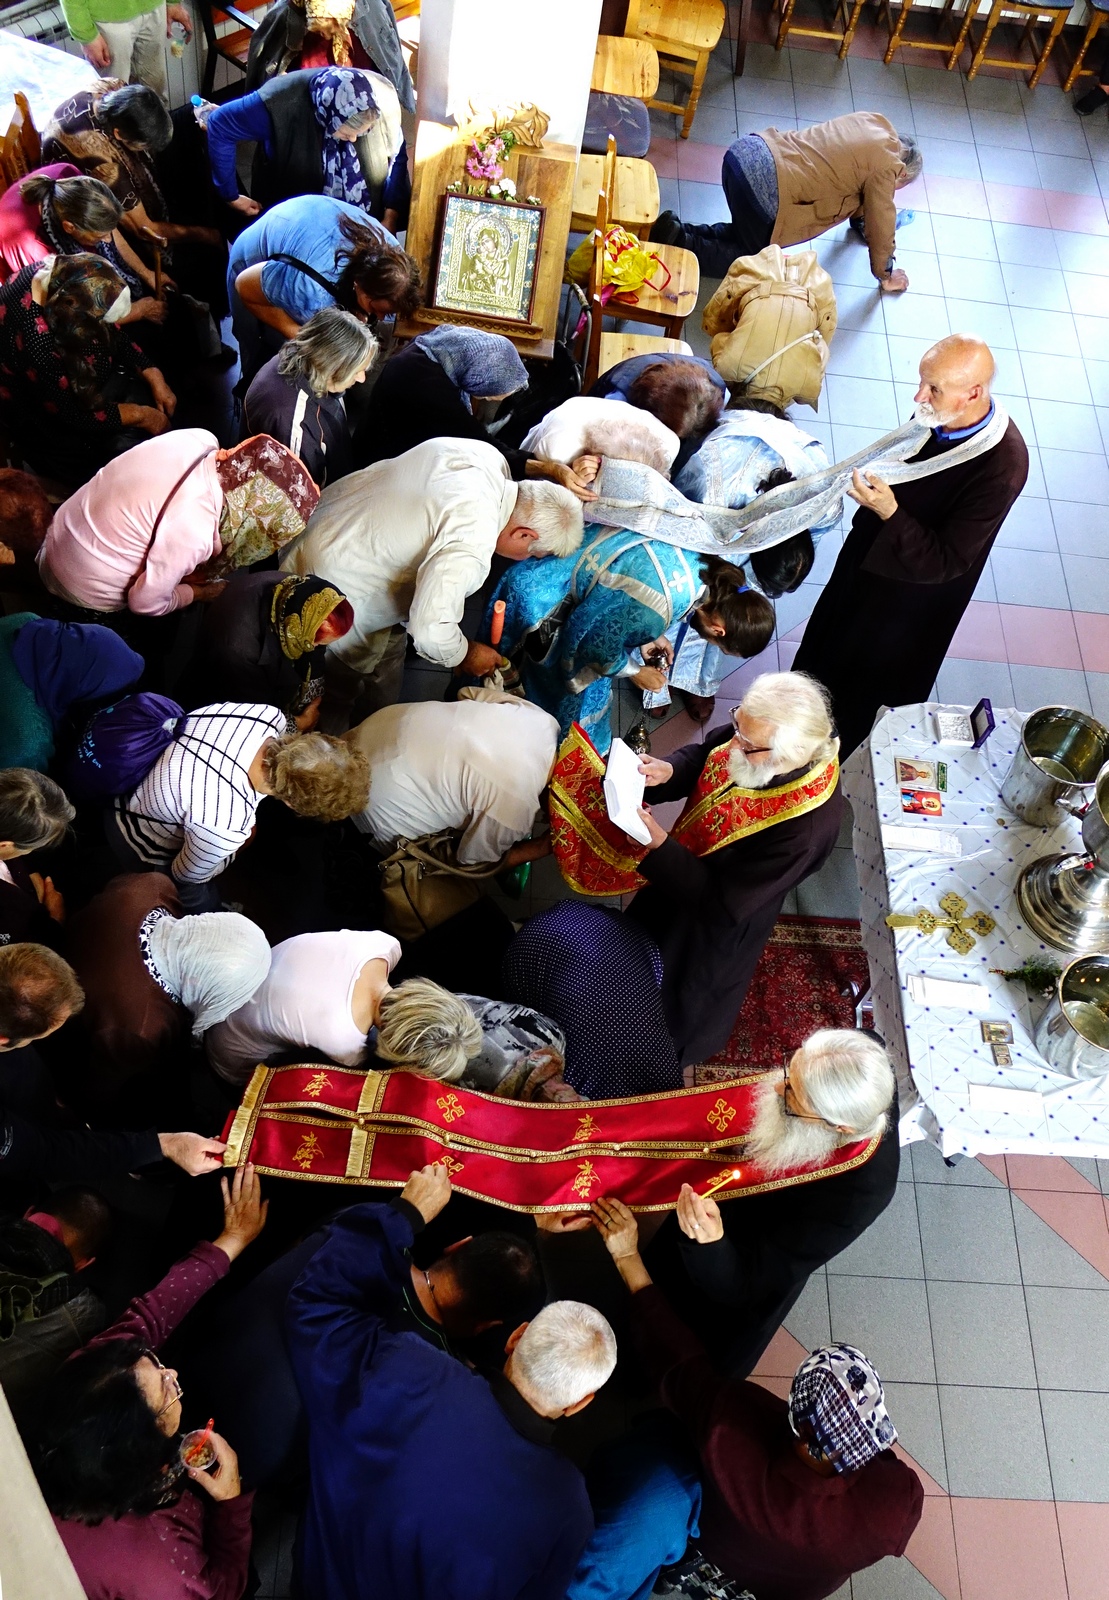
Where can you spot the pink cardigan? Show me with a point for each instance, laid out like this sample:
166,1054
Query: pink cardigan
93,554
21,240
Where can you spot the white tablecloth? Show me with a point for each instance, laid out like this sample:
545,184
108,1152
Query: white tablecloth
939,1052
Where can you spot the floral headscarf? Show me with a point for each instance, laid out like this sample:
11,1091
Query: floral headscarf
298,609
268,497
338,94
837,1396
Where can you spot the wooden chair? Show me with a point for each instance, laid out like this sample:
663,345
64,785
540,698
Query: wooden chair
847,11
231,47
1032,13
635,197
668,308
685,33
617,347
1099,14
625,66
21,147
897,39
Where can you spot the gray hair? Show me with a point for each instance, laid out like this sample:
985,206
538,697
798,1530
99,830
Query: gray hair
800,711
553,513
425,1027
912,156
84,203
35,813
330,348
565,1353
847,1079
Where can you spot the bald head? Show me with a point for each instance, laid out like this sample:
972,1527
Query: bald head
955,379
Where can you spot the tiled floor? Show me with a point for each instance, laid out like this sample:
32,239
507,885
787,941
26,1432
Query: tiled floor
983,1292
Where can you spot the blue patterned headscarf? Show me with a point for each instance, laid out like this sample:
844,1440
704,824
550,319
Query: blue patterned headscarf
338,94
837,1399
480,364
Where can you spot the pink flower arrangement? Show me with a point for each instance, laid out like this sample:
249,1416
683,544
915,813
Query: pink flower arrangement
483,162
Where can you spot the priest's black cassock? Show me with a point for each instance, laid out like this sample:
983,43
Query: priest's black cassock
883,625
711,915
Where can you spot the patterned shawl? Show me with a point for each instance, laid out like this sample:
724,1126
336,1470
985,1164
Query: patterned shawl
338,94
268,497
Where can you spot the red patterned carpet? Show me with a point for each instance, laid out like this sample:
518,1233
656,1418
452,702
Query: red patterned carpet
811,975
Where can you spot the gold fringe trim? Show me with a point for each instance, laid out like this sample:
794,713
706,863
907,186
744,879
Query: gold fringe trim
246,1118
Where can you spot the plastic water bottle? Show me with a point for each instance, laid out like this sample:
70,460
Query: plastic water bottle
202,109
178,39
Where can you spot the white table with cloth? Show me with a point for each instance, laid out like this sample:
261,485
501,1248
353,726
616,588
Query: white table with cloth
938,1051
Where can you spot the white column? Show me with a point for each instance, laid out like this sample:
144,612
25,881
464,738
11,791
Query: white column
522,51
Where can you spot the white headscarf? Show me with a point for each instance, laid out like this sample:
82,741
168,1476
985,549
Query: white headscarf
213,963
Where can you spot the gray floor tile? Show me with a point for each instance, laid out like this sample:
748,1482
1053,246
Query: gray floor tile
929,1166
992,94
1006,128
1009,166
1081,252
1045,686
992,322
1028,527
1081,530
1049,333
1029,578
1097,686
1046,1260
928,317
966,237
1070,1336
702,202
1088,582
809,1320
915,1410
895,1578
716,124
763,61
833,891
925,85
963,683
974,281
1041,288
980,1334
764,94
949,158
942,122
1056,378
1070,475
887,1318
1060,426
890,1247
860,402
1077,1429
1058,138
1088,294
1067,174
967,1234
1093,336
1024,246
994,1441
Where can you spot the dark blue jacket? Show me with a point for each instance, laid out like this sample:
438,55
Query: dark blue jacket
427,1481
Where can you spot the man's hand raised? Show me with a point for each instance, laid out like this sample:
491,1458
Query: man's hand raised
428,1190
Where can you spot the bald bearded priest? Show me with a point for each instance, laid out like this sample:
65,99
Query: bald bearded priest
908,568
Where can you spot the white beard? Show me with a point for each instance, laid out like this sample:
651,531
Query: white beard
931,417
778,1142
745,774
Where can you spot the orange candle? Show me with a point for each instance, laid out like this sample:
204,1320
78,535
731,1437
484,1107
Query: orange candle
497,628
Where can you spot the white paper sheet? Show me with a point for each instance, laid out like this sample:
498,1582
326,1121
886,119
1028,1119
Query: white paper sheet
623,786
992,1097
948,992
932,841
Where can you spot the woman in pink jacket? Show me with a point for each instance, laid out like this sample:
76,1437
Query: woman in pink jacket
143,535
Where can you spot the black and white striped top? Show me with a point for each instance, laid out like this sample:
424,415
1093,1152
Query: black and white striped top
196,806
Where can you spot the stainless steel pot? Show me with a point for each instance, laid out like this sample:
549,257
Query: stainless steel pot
1064,899
1054,768
1073,1035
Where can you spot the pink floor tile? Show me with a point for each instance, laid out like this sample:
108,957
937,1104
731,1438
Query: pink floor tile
1093,640
778,1386
787,649
737,683
782,1356
956,197
1009,203
996,1165
979,636
663,156
1084,1530
1008,1550
673,734
1045,1172
1039,637
699,163
1076,213
932,1549
1077,1218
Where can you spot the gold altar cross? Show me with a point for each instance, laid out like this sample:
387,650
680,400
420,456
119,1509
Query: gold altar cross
961,928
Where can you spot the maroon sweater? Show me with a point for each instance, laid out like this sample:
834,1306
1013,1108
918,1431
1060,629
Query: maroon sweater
768,1520
197,1549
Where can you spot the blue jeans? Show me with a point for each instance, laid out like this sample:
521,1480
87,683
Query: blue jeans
646,1495
717,244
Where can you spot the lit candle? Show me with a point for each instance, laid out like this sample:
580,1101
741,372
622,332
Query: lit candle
723,1182
496,628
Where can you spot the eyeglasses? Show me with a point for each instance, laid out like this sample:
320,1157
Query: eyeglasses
169,1382
791,1093
431,1289
744,744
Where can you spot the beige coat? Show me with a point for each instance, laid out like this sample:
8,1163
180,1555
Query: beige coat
763,306
832,170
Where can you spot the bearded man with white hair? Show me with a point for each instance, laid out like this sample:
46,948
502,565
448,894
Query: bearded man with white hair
910,565
763,812
736,1269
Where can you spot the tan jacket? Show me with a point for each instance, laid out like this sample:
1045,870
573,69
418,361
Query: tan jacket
829,172
762,308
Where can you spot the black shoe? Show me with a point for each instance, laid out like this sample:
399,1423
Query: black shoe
666,228
857,226
1096,100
